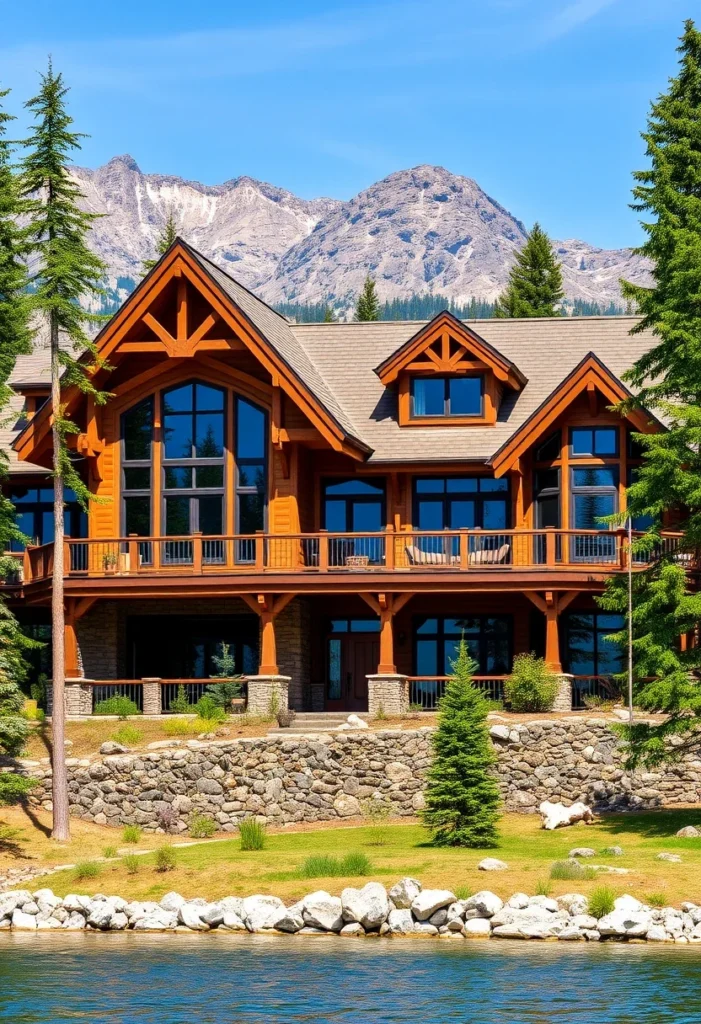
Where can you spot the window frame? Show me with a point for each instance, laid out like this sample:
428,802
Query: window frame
440,637
446,497
124,464
447,414
352,499
575,456
597,632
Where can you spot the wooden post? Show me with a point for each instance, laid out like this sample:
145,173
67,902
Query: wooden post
323,551
464,553
550,546
389,547
260,550
387,665
70,643
268,646
552,633
197,553
133,553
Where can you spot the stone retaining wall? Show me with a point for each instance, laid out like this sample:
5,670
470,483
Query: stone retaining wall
325,777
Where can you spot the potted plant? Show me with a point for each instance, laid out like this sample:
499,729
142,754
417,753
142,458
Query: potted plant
109,562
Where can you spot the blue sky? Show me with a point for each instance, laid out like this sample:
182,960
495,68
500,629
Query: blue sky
541,101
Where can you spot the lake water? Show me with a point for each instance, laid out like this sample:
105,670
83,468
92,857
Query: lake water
230,979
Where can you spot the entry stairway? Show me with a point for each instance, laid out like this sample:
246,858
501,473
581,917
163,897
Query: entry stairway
315,721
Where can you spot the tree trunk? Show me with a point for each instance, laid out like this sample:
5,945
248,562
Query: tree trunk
61,820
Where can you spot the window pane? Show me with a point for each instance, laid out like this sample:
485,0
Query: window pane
334,686
137,516
589,508
335,516
494,515
208,399
550,448
177,516
612,623
582,441
177,431
606,440
430,485
354,487
465,396
365,625
20,497
178,477
547,512
593,477
46,532
24,522
252,476
460,626
428,626
339,625
367,516
137,478
178,400
610,657
209,476
488,483
47,494
430,515
462,514
547,479
450,654
210,515
251,513
461,485
209,435
136,431
250,431
427,658
429,396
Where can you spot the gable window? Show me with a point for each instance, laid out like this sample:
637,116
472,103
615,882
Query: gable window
594,441
251,467
594,496
447,396
462,502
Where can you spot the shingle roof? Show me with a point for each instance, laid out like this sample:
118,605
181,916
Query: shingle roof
32,369
544,350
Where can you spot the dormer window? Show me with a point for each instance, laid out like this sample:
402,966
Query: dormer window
447,396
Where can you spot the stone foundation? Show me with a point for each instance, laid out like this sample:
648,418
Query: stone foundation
388,694
563,700
326,777
77,698
267,693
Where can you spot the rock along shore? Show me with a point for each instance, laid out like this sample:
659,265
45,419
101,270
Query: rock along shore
406,910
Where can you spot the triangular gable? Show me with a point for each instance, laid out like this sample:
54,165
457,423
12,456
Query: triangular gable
197,315
445,345
589,374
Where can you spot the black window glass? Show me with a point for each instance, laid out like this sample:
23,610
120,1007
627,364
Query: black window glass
35,516
178,399
178,436
178,477
177,516
209,399
209,476
549,449
210,509
354,487
251,513
595,476
488,639
252,476
456,503
446,396
465,396
209,435
430,485
354,506
589,651
250,431
137,428
137,516
137,478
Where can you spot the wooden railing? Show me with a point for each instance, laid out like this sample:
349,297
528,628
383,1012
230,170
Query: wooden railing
410,551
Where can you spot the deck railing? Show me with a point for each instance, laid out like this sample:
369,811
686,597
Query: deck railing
426,692
388,551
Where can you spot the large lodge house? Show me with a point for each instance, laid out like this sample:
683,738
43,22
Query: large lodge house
338,503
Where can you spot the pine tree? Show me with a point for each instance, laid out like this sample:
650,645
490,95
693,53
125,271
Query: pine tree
462,796
66,273
667,380
329,315
168,235
535,281
368,306
14,729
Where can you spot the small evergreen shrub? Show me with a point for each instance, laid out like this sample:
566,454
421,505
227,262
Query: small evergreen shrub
14,788
180,705
202,826
571,871
120,706
656,899
132,863
531,685
128,735
462,794
109,852
601,901
252,834
208,710
131,834
87,869
166,858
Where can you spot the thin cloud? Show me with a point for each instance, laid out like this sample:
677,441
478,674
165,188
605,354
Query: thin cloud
572,17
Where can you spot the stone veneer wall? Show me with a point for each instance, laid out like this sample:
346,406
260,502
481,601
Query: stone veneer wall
323,777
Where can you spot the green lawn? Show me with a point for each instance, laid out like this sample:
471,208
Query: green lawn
221,868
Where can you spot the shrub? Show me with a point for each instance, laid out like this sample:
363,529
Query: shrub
571,871
87,869
656,899
601,901
127,735
180,705
462,794
179,727
376,812
356,863
132,863
202,826
543,887
463,892
207,708
531,685
167,818
131,834
165,858
381,714
14,788
122,707
109,852
252,834
323,865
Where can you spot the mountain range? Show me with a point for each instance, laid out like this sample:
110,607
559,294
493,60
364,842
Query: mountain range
419,231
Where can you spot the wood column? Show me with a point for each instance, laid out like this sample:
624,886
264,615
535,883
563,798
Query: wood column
268,607
386,607
552,635
70,643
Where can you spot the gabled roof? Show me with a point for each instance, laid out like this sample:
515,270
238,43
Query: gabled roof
445,325
590,372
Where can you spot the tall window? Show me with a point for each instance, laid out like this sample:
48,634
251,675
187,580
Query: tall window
354,506
251,467
437,639
452,503
35,515
588,651
447,396
137,433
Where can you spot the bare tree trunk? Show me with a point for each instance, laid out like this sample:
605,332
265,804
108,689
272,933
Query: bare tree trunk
61,820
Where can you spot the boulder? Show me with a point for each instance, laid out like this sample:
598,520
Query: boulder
492,864
172,901
689,832
440,918
657,933
558,816
627,903
75,922
290,919
485,904
625,924
477,928
110,747
545,902
232,922
672,858
571,934
401,922
156,921
612,851
13,900
346,806
584,921
320,910
573,902
582,851
353,930
76,904
100,916
428,901
119,922
356,722
368,906
261,911
23,922
519,901
424,928
404,892
189,915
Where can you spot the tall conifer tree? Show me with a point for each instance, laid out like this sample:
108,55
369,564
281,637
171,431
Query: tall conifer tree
667,381
164,241
462,795
66,273
368,307
535,281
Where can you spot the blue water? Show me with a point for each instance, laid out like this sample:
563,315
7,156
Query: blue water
230,979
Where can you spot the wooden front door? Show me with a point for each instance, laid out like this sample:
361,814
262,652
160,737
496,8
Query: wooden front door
350,660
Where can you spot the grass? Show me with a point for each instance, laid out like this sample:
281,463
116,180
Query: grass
166,858
87,869
201,826
601,901
131,834
132,863
109,852
128,735
571,871
324,865
252,834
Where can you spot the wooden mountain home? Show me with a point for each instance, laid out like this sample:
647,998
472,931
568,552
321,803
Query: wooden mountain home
338,503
